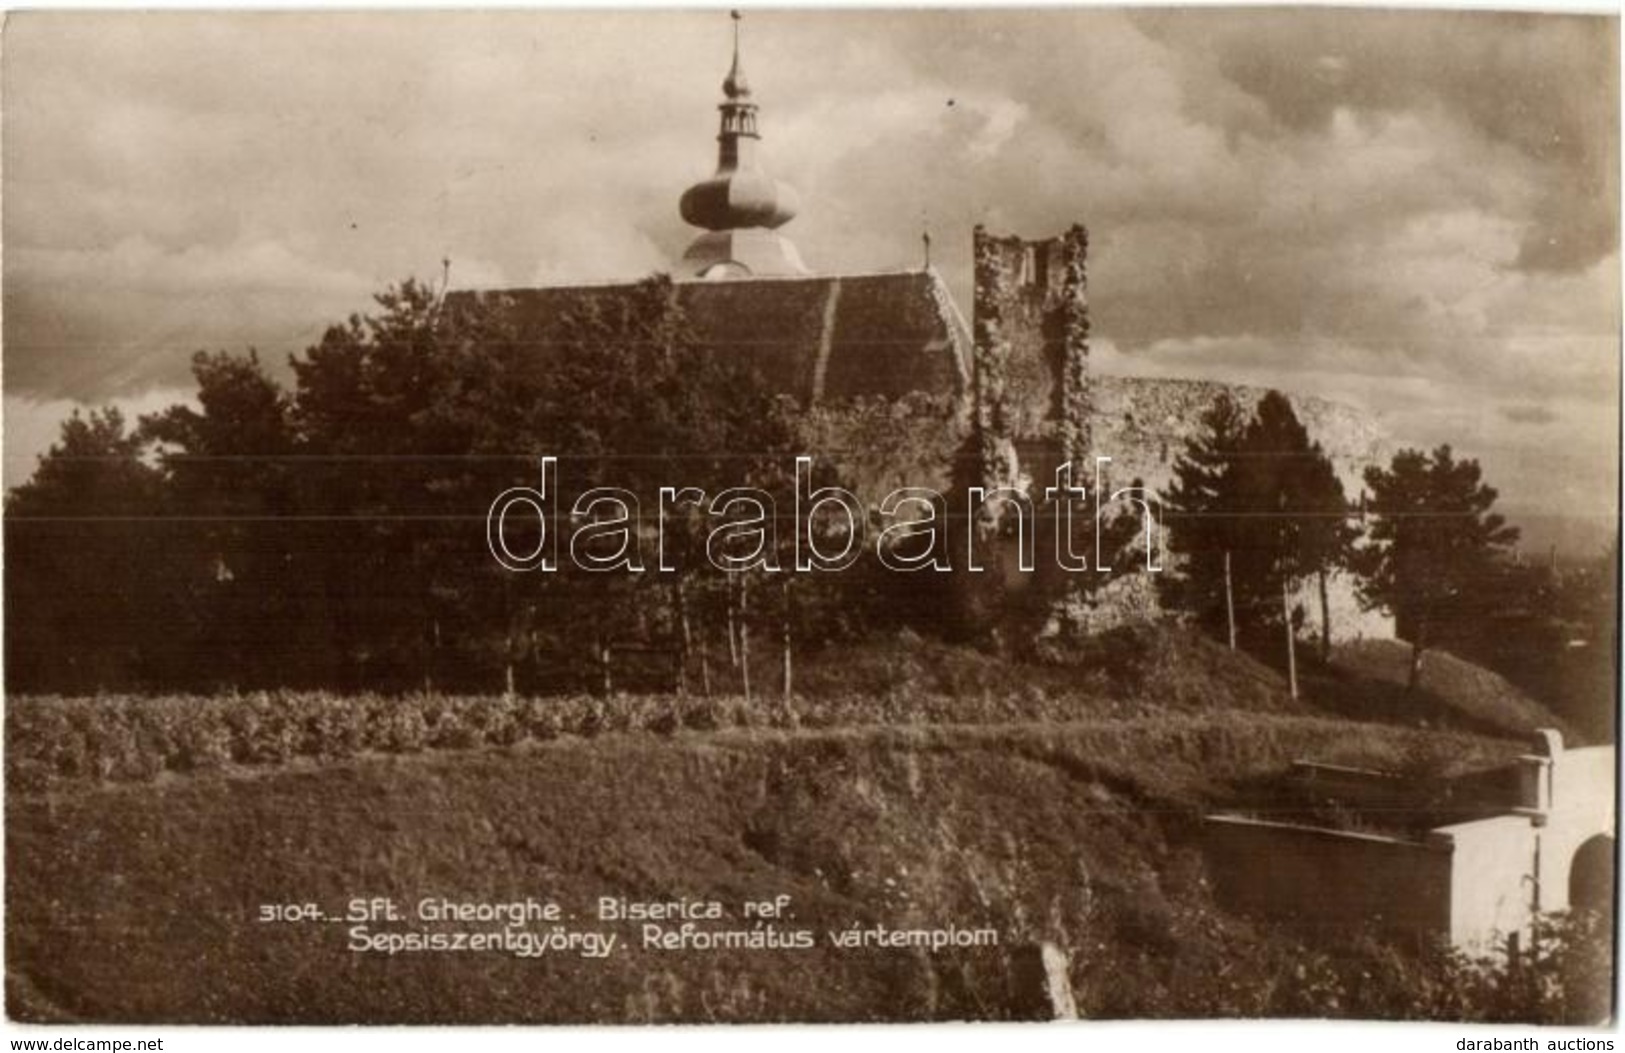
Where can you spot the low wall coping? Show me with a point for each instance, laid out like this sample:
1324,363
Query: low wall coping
1328,833
1343,769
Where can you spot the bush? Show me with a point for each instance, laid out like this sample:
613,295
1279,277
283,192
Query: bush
398,726
127,738
541,719
201,745
451,731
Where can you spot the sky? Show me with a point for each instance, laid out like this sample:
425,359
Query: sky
1416,213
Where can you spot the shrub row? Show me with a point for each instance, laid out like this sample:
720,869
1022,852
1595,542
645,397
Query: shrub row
125,738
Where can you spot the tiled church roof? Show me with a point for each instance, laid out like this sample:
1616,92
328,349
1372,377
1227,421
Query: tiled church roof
823,338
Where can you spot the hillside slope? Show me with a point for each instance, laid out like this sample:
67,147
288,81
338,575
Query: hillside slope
1453,692
1127,671
141,902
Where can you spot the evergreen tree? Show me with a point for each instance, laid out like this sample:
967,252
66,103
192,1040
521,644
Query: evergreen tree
1434,544
1327,534
1255,508
1297,517
373,449
636,401
335,534
89,585
1200,508
228,493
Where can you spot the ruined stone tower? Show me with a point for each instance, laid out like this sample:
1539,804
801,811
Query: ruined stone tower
1032,408
1030,368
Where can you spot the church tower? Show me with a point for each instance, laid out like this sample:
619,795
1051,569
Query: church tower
741,207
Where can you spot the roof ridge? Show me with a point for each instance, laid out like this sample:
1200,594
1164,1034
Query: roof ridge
611,283
830,276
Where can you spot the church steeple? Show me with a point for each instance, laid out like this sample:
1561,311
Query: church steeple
740,206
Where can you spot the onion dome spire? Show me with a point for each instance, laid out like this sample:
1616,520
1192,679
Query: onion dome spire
741,205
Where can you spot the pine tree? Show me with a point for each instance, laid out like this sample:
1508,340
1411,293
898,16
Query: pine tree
1255,508
228,486
1199,509
1295,513
1434,544
88,563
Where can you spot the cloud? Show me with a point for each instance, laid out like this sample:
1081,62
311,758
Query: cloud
1545,86
1413,211
33,426
1529,414
91,323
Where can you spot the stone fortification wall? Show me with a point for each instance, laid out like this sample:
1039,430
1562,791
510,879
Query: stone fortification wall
1142,423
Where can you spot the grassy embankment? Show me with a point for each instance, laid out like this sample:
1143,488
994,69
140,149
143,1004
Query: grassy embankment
1045,804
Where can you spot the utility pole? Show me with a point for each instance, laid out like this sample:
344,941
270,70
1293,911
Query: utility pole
786,639
744,634
1229,602
1291,645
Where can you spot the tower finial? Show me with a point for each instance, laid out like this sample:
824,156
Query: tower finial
735,85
